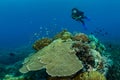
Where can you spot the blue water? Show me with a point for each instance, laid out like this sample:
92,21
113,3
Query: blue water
24,21
20,19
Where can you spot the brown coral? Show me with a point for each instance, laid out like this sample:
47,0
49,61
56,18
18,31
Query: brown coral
82,52
80,37
39,44
81,47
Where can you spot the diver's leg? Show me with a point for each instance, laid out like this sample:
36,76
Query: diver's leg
83,23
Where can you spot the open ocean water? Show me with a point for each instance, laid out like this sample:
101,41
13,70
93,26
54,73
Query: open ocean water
24,21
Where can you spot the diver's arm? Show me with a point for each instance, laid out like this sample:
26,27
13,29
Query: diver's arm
83,23
77,18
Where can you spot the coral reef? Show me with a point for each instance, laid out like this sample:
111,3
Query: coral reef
39,44
69,57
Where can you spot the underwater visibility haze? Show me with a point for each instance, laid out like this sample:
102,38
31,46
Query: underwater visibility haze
32,31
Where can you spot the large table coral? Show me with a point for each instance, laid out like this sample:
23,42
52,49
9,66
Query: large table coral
58,58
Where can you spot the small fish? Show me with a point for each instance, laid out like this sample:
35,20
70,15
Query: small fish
100,30
110,46
106,33
11,54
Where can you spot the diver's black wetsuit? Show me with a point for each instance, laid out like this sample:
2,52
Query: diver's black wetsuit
78,15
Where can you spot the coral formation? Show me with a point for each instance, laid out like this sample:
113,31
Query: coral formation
88,56
95,44
66,55
58,58
64,35
80,37
39,44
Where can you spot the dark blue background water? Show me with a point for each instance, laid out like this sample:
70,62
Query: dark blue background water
23,21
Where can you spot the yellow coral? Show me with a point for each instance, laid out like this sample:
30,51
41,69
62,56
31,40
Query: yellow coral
64,35
92,75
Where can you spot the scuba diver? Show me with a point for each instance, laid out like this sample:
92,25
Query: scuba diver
79,16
